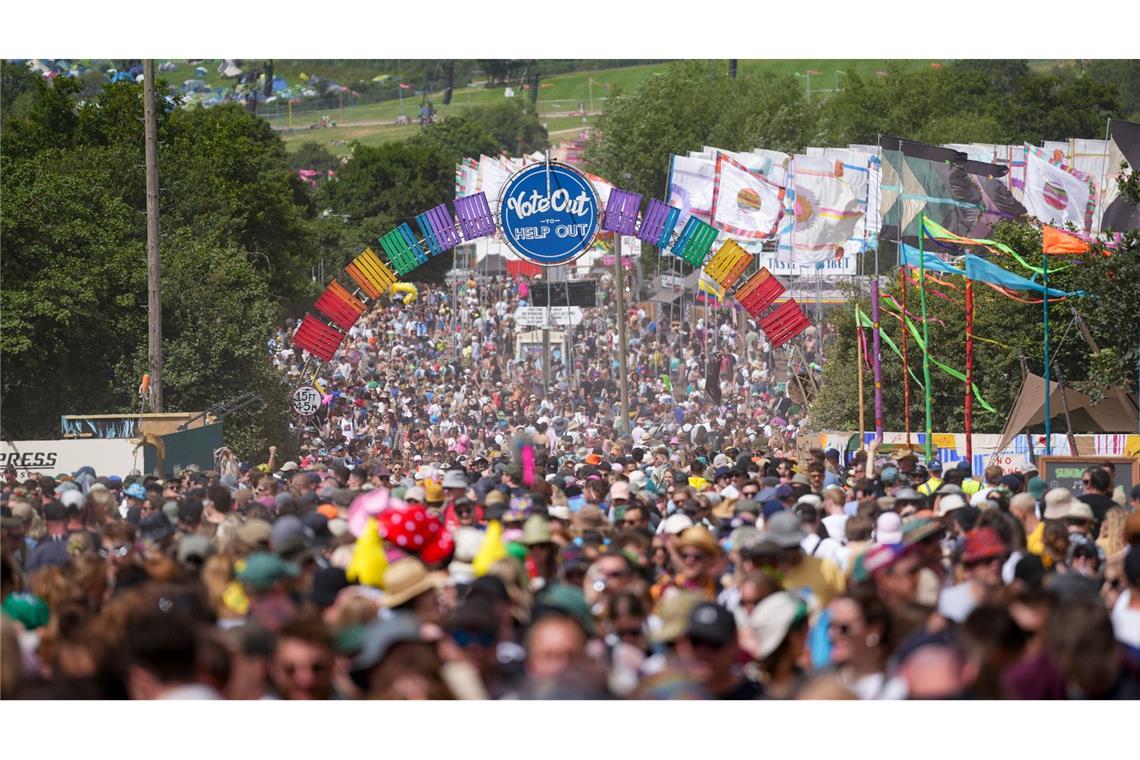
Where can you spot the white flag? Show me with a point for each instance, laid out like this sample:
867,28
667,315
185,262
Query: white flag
745,203
691,187
824,208
1057,194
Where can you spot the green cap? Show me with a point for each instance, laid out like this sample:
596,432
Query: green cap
28,609
263,569
570,601
1036,488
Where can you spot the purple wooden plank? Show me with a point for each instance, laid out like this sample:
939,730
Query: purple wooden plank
621,212
443,226
474,216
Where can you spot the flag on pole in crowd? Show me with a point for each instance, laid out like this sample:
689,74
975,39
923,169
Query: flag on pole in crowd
492,176
745,203
691,187
709,289
1056,193
1057,241
822,210
1118,212
998,203
919,178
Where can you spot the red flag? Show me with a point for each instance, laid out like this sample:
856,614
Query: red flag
405,86
1054,240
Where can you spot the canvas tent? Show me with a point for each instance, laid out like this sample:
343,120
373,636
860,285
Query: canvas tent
1116,413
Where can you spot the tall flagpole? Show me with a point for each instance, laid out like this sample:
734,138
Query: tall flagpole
859,361
969,403
903,275
1045,312
876,366
925,330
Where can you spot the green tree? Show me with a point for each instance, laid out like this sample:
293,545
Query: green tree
692,105
237,247
313,155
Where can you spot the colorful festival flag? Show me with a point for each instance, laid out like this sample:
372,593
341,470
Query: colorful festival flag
691,187
823,210
1118,212
745,203
1055,193
927,179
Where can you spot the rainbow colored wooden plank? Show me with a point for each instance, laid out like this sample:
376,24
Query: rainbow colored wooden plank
475,217
695,242
404,252
439,229
658,223
339,305
318,338
728,264
759,292
784,323
371,274
621,212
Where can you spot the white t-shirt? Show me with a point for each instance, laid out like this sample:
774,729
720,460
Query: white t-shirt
957,602
1126,620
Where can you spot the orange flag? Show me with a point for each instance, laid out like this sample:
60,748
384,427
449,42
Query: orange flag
1054,240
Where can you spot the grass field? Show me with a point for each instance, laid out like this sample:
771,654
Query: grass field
374,123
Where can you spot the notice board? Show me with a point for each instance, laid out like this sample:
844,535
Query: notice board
1065,472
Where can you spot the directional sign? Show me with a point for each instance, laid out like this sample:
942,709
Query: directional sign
558,316
306,401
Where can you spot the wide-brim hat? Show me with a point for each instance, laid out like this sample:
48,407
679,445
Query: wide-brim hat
699,537
406,579
1058,503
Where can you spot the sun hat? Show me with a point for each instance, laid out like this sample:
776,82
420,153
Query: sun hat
536,530
673,615
983,543
676,524
1058,503
889,529
405,579
949,503
699,537
1078,510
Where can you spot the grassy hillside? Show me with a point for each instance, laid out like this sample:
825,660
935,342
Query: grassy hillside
559,95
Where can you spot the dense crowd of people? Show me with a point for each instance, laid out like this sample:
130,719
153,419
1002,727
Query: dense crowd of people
461,522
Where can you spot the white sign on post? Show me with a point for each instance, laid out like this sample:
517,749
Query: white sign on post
554,316
306,400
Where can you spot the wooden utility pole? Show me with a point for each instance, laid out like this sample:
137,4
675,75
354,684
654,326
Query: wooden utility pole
153,273
623,346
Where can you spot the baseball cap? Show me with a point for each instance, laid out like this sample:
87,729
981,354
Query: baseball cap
783,528
263,569
1036,487
711,623
771,620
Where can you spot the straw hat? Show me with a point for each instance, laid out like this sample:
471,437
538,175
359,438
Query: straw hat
406,579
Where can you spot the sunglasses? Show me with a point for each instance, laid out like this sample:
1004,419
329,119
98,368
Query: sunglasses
1085,482
693,556
987,561
840,629
119,551
469,638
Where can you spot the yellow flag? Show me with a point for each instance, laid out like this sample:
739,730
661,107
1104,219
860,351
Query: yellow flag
369,562
491,551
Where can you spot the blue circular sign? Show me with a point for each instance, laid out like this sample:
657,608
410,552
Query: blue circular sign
548,214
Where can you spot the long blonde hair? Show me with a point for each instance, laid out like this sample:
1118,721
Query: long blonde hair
1112,531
